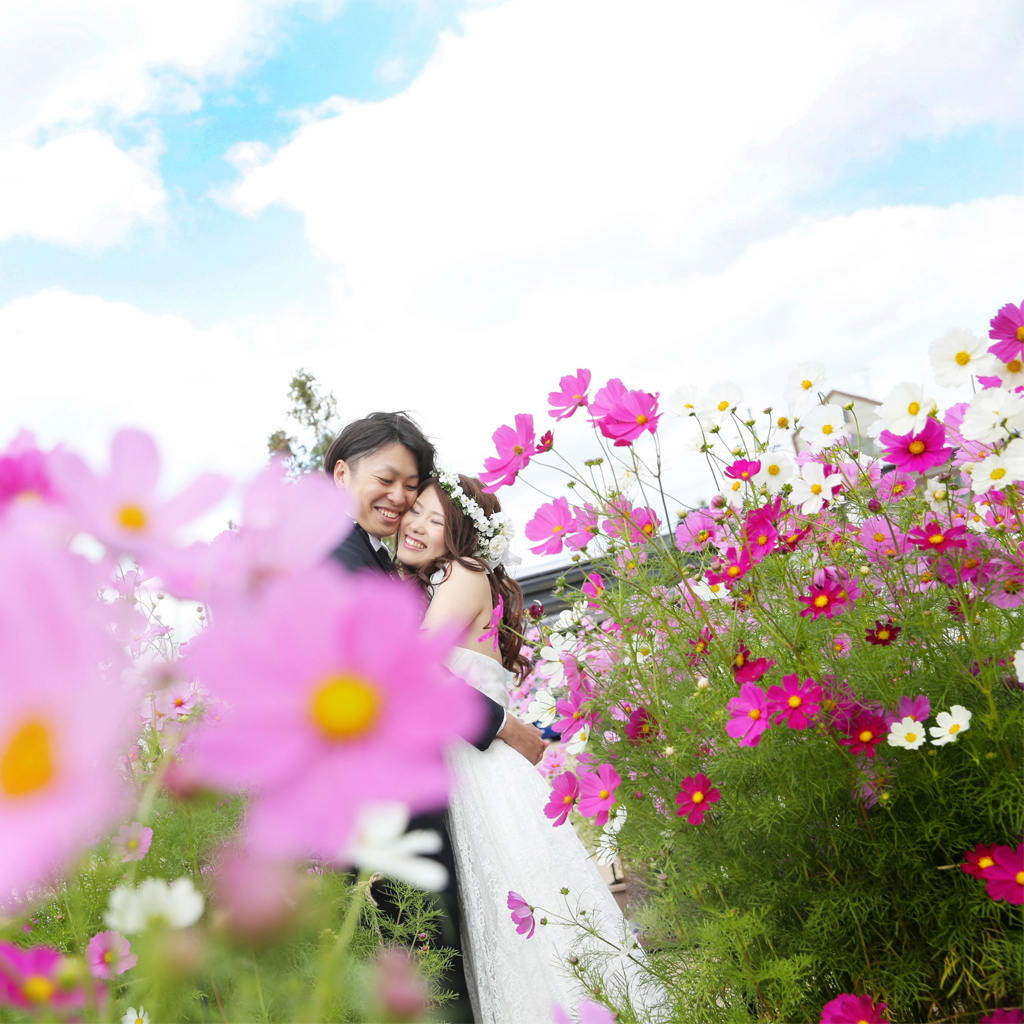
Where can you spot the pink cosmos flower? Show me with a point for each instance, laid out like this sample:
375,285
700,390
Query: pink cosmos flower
743,469
121,507
621,415
700,646
864,733
760,532
550,525
935,537
572,708
694,796
597,793
881,539
641,726
793,702
572,395
978,861
332,693
1007,328
1007,584
749,715
515,447
895,486
25,479
746,669
132,841
1004,1016
63,721
522,914
588,1013
735,564
584,528
841,645
851,1009
29,979
109,954
918,707
565,791
494,625
258,896
401,991
1005,879
593,587
916,453
824,598
696,531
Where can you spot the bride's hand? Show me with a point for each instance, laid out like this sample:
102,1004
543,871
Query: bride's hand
523,738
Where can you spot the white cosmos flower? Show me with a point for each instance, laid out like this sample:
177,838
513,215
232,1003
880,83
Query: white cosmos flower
1018,663
936,494
995,471
707,592
578,741
950,724
810,491
133,1016
381,844
905,410
776,470
1011,373
542,709
721,399
804,383
907,733
687,401
958,355
154,902
823,426
991,416
608,842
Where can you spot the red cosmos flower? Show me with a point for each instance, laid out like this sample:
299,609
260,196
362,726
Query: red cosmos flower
565,791
547,439
641,726
737,565
883,634
851,1009
571,396
515,447
793,702
621,415
978,861
1007,328
695,793
864,733
746,669
935,537
549,525
1005,879
917,453
700,646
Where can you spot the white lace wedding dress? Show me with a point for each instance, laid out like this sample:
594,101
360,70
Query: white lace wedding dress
502,840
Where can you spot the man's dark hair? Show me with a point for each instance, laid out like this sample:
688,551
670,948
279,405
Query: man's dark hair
361,437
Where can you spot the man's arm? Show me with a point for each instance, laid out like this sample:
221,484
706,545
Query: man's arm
525,739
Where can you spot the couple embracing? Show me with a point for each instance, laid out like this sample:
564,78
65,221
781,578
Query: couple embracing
495,837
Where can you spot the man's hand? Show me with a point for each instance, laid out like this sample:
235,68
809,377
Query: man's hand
523,738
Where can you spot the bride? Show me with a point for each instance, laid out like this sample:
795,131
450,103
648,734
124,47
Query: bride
452,540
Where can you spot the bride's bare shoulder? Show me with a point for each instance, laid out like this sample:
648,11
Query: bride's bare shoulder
465,579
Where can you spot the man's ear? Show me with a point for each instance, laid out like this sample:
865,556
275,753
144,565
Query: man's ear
342,474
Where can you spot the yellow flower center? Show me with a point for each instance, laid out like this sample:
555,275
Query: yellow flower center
898,489
604,794
815,488
1019,877
754,714
37,989
879,536
27,764
916,447
736,484
998,473
883,634
795,701
783,422
715,588
807,384
132,517
108,957
910,737
1020,333
518,449
774,469
722,406
557,529
702,535
936,538
567,799
838,645
962,358
985,862
641,419
698,797
865,736
733,570
821,600
914,408
954,728
762,540
1015,366
344,707
740,660
826,428
132,844
699,648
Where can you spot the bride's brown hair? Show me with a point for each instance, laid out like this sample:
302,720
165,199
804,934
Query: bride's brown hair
460,542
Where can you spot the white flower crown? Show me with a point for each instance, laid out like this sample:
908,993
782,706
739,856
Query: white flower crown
494,533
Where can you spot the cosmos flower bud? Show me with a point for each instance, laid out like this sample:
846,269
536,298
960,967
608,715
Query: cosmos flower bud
874,505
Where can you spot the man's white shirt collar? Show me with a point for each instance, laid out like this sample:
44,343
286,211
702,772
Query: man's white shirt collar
375,542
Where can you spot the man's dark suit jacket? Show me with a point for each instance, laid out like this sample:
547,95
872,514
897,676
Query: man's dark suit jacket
356,554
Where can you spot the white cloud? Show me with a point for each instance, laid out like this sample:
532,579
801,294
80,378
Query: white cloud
79,190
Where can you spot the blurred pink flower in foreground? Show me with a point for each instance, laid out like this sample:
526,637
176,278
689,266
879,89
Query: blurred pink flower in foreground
29,979
588,1013
63,723
132,841
333,694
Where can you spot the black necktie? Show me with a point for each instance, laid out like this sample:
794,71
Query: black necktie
385,559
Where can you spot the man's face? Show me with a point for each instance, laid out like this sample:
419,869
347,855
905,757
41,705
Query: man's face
382,486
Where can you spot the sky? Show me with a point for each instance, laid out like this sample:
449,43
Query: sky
443,206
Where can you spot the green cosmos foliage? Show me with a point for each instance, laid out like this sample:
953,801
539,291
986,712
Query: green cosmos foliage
800,884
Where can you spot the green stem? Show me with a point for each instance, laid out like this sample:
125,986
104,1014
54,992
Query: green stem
334,954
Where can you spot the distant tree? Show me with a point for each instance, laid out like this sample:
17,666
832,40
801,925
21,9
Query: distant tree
315,411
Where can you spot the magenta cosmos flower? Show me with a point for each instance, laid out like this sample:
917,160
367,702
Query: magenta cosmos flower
978,861
864,733
597,793
132,841
565,791
109,954
746,669
851,1009
493,630
1004,1016
749,715
794,702
515,446
694,796
935,537
1004,880
63,722
641,726
733,566
333,694
570,396
121,507
622,415
1007,328
824,597
29,979
916,453
550,525
593,587
522,914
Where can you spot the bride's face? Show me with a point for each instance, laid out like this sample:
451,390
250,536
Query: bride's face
421,533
